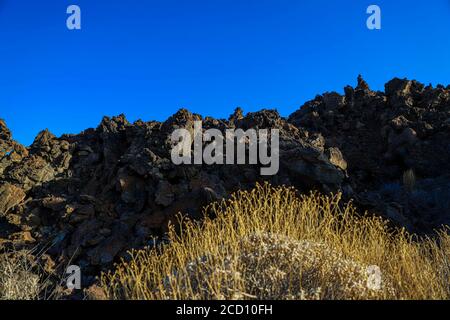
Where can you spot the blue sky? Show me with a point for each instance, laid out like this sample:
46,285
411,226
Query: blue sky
149,58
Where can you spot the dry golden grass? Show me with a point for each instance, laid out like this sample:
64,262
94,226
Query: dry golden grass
409,180
270,243
24,276
17,280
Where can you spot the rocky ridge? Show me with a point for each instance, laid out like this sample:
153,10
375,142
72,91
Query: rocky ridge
88,198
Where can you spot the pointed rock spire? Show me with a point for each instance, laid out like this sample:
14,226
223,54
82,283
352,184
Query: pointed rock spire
362,84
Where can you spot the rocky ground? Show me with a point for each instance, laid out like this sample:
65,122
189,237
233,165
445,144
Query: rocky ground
88,198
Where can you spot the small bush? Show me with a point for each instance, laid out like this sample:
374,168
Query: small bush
17,280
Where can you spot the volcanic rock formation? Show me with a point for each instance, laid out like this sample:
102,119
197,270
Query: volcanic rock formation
90,197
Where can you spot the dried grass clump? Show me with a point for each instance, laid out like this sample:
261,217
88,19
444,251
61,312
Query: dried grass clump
277,267
270,243
409,180
17,280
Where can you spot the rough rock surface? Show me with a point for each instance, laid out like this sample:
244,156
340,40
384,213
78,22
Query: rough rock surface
381,135
90,197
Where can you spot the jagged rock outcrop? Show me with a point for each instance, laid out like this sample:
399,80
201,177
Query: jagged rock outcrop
90,197
382,135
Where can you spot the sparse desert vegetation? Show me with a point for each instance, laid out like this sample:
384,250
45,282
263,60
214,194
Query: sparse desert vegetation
17,279
26,275
267,243
272,243
91,197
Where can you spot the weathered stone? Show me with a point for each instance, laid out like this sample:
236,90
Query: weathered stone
54,203
10,196
337,158
22,237
164,194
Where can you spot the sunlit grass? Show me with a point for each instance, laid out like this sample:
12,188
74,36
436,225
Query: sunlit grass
271,243
18,281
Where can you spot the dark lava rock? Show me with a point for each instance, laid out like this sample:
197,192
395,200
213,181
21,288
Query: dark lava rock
95,195
381,136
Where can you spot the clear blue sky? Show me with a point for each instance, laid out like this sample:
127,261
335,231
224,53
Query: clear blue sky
149,58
